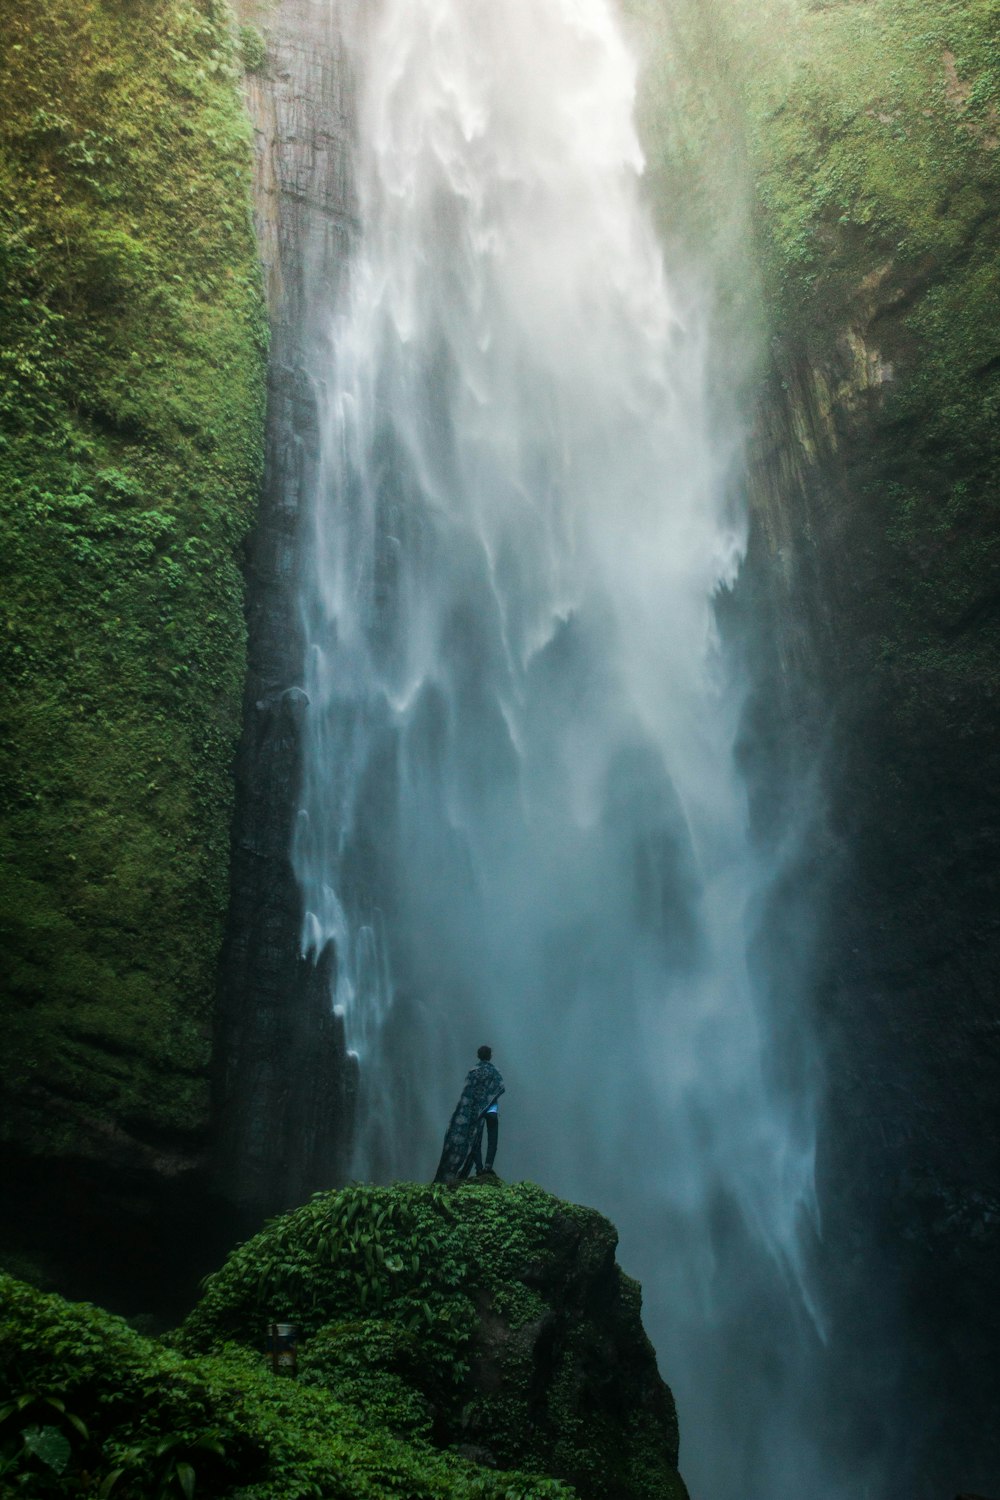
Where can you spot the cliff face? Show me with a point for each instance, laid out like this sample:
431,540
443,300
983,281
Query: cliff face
284,1085
480,1343
490,1321
870,137
838,169
859,145
132,342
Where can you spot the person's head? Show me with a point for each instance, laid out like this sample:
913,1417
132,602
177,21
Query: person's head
484,1054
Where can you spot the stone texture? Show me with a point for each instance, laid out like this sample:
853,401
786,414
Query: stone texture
868,610
907,764
496,1311
284,1084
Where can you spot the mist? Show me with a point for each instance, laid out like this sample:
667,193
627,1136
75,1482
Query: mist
523,820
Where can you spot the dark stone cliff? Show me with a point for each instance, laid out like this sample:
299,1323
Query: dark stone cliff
284,1084
837,170
869,140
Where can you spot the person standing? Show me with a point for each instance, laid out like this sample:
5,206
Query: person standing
476,1109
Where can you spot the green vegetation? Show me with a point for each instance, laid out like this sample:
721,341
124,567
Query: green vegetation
490,1316
132,350
871,136
411,1305
252,49
96,1409
837,167
874,144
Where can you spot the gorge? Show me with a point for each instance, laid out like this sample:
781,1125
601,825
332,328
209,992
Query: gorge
738,890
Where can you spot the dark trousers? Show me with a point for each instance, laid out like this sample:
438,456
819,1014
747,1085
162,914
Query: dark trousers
492,1123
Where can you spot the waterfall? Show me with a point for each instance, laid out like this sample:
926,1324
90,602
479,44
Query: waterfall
522,820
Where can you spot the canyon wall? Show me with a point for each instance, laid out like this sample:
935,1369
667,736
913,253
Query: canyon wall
836,168
133,340
284,1084
864,144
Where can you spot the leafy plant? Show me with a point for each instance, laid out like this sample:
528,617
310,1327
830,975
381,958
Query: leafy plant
252,49
161,1425
165,1466
39,1454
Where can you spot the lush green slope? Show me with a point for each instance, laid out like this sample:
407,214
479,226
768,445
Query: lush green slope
132,342
874,142
840,163
444,1336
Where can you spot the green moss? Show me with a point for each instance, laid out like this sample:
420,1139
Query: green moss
874,135
253,49
867,136
124,1404
869,129
495,1318
132,345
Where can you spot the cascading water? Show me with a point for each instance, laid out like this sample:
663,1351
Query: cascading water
522,822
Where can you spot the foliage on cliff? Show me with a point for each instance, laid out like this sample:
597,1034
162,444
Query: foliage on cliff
443,1334
492,1319
868,133
94,1408
132,349
872,136
873,140
845,160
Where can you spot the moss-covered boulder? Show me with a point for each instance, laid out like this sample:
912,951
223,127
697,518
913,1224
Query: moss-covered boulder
132,353
89,1406
491,1321
480,1344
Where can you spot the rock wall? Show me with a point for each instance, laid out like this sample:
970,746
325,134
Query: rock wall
132,347
284,1084
870,136
836,168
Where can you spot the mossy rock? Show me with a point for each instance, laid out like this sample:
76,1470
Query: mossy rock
475,1344
88,1405
492,1320
132,349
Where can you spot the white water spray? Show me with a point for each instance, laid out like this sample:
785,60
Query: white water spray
522,822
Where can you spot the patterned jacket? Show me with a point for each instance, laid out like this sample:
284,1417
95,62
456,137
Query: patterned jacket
483,1087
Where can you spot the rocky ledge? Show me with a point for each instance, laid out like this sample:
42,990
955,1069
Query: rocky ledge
477,1342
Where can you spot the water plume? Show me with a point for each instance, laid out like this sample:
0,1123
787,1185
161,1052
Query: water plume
522,819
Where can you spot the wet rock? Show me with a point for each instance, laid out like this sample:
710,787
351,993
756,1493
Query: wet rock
527,1351
284,1085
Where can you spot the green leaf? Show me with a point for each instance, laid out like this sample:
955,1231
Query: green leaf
185,1478
78,1423
212,1443
49,1445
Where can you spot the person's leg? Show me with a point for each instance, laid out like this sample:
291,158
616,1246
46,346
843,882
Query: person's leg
476,1154
492,1132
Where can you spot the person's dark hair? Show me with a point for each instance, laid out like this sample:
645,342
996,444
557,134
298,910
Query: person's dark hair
484,1054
